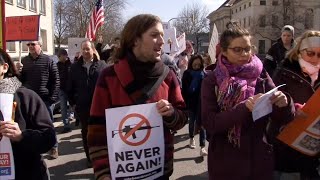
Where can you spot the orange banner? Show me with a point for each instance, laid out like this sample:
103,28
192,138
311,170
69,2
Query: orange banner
22,28
303,134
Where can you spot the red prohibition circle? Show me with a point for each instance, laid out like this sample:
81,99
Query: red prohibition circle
125,137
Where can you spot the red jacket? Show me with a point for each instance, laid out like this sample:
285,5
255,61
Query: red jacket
110,93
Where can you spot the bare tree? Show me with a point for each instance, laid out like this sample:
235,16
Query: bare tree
290,12
192,20
72,18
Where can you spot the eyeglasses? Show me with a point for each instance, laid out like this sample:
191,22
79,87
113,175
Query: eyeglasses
239,50
31,44
311,54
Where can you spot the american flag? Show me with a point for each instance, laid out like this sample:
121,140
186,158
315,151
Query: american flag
96,20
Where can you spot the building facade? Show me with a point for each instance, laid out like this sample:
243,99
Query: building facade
32,7
265,18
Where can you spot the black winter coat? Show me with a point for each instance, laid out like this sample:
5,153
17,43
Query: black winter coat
38,134
81,85
298,85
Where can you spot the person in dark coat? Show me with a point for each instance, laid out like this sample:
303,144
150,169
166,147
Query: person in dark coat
278,50
40,73
31,132
300,71
81,84
191,86
238,149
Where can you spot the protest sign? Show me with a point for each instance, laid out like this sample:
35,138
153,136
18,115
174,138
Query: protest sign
135,142
7,170
303,133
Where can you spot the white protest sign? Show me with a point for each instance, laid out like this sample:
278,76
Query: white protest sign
7,170
74,46
135,142
170,40
213,43
181,45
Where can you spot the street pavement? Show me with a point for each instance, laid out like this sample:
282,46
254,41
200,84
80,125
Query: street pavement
71,164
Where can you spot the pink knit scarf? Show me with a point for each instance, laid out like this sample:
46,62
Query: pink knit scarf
236,84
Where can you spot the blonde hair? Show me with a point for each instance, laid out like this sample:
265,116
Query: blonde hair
95,52
294,53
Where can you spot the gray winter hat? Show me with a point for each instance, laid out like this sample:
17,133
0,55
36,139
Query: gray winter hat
288,28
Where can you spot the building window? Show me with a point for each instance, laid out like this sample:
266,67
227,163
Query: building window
274,3
11,46
275,20
249,4
244,22
263,3
33,5
43,34
236,10
240,8
262,47
245,6
21,3
262,21
24,46
9,1
42,7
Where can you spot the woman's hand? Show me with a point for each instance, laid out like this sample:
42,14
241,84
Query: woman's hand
165,108
11,130
279,99
250,102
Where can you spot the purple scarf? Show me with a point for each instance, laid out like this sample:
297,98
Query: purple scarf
236,84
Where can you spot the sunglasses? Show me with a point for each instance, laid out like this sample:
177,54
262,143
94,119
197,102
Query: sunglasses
239,50
311,54
31,44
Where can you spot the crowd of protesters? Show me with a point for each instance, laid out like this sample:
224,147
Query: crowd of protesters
215,97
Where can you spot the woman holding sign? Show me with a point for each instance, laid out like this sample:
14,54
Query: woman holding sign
300,71
31,131
134,79
238,148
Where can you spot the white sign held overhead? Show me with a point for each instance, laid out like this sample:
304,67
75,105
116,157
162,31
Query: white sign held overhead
182,45
213,43
74,46
170,40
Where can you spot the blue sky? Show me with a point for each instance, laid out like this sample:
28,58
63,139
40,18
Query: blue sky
165,9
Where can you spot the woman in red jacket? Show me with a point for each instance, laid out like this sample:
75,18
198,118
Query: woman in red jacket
124,83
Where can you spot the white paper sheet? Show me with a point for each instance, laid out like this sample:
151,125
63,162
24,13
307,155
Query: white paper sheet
263,105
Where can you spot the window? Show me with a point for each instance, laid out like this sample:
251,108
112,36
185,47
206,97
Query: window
32,5
262,47
262,21
245,6
263,3
11,46
9,1
240,8
274,21
249,4
43,34
236,10
21,3
274,3
244,22
24,46
42,7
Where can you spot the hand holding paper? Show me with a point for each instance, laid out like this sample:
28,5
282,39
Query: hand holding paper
263,105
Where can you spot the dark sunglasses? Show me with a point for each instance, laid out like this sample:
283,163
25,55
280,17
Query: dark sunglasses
311,54
239,50
31,44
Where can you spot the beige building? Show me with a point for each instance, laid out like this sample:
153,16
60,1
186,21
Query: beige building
265,18
32,7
